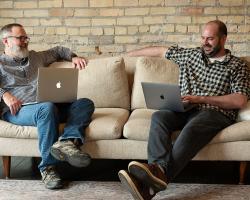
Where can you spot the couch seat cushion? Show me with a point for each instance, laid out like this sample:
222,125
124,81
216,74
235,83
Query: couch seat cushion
107,123
138,125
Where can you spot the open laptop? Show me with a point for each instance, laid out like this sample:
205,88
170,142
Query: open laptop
162,96
58,85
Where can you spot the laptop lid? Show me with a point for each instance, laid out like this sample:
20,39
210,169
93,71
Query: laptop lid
58,85
162,96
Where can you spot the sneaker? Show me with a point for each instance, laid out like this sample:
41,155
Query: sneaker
51,179
149,174
138,190
66,150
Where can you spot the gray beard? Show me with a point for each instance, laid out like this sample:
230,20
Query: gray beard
19,52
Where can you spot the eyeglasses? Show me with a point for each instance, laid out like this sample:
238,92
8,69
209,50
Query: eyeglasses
21,38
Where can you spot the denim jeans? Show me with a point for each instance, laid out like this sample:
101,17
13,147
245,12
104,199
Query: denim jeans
198,127
47,116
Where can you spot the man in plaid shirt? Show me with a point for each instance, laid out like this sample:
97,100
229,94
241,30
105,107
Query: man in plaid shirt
210,77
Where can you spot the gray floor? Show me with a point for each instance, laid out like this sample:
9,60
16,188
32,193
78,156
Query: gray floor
106,170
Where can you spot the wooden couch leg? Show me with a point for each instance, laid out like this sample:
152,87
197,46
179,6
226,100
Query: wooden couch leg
6,166
243,165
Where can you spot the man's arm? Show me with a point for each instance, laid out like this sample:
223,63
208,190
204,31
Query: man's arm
158,51
12,102
230,101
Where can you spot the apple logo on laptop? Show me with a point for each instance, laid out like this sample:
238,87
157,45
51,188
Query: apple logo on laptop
162,96
58,85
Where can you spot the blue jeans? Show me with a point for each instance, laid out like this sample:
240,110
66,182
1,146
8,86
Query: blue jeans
198,127
47,116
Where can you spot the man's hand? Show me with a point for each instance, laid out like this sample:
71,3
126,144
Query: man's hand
12,102
79,62
192,99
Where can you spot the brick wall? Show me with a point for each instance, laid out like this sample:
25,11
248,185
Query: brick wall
110,27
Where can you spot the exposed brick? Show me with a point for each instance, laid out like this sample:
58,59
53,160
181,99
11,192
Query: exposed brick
51,22
181,28
5,21
6,4
103,22
244,28
178,19
29,30
158,29
144,29
125,39
163,10
120,30
50,4
231,2
178,38
73,31
61,12
111,48
61,31
238,11
232,19
36,13
39,46
152,38
11,13
191,11
86,12
204,2
111,12
129,21
39,30
50,31
77,22
25,4
28,21
202,20
109,31
127,3
216,10
136,11
177,3
193,29
102,3
132,30
75,3
154,20
151,3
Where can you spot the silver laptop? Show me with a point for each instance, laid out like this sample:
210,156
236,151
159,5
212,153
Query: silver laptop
162,96
58,85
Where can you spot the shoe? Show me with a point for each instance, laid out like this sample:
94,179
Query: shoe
51,179
138,190
66,150
149,174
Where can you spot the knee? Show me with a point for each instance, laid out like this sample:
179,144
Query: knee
47,109
86,104
158,116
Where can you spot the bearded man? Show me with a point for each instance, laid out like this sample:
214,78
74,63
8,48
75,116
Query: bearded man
210,77
18,85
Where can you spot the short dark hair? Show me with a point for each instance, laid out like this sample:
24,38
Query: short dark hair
7,29
222,28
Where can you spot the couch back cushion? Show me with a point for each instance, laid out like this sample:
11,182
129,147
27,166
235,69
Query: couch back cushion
152,70
104,81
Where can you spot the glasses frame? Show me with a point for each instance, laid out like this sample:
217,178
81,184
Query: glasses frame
20,38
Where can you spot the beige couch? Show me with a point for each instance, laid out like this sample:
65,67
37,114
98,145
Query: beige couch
120,123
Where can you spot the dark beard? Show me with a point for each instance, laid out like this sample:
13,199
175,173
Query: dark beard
215,50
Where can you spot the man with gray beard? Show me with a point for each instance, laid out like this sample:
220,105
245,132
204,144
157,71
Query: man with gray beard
18,85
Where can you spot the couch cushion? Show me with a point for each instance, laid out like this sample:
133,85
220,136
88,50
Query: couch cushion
151,70
107,123
101,78
105,82
244,114
140,120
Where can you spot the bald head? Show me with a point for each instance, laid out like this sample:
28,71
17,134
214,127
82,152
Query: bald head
219,26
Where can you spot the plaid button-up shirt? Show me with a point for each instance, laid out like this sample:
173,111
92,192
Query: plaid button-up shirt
198,76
